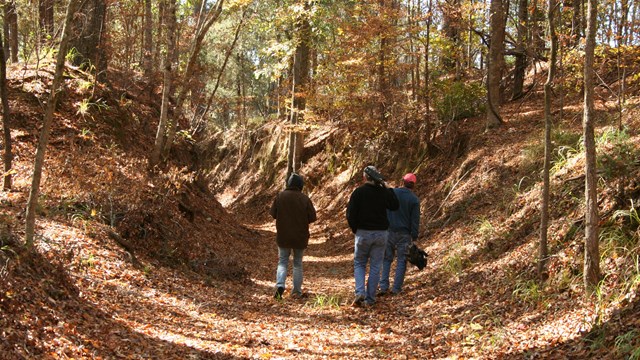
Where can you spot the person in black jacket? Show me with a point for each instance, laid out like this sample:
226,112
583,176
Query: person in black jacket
293,212
367,218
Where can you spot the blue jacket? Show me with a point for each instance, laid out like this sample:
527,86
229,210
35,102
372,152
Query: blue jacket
406,219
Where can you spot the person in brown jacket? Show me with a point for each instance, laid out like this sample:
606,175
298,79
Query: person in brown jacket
293,212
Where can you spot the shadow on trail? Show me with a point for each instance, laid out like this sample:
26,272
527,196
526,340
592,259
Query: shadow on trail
67,319
617,338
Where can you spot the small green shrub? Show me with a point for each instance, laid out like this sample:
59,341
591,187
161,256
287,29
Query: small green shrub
456,262
624,345
455,100
528,291
616,153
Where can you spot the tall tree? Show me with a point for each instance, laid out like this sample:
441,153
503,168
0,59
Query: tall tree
591,248
46,123
299,89
148,39
495,66
89,41
548,90
170,22
521,53
6,120
451,24
210,18
45,16
11,30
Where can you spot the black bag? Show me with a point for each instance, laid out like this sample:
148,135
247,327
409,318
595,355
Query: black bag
374,175
417,256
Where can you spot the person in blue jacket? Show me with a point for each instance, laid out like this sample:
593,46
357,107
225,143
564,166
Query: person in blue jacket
404,224
367,218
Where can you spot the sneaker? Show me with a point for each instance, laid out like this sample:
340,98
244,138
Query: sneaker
279,292
298,295
382,292
358,301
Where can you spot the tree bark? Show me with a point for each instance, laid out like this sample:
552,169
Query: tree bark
46,125
45,14
521,54
548,146
170,21
495,63
188,73
451,18
148,39
591,251
88,44
576,22
6,121
300,80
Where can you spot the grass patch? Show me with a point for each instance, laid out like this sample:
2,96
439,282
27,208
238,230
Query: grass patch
326,301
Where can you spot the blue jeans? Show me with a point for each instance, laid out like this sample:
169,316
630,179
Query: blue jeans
283,263
369,248
397,244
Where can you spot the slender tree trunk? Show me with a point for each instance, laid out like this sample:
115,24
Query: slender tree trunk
495,61
521,53
427,89
148,39
300,80
188,74
382,71
576,22
12,20
6,121
46,126
170,21
548,146
591,251
45,13
222,70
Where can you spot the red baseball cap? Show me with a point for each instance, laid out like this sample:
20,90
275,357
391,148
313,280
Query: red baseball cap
410,177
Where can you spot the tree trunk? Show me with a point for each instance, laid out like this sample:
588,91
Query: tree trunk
591,251
90,29
196,124
300,80
188,73
427,89
6,121
548,146
148,40
576,22
495,63
521,53
46,125
45,15
451,19
170,22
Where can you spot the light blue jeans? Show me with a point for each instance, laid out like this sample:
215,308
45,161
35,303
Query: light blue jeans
283,263
397,245
369,248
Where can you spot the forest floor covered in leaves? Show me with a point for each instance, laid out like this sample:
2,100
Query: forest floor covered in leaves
132,265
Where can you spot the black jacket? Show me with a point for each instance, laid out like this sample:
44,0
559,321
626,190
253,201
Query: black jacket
367,208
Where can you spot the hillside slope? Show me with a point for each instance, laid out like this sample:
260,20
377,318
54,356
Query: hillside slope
179,263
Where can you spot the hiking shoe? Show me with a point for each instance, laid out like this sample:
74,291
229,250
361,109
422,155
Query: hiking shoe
358,301
382,292
298,295
279,292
